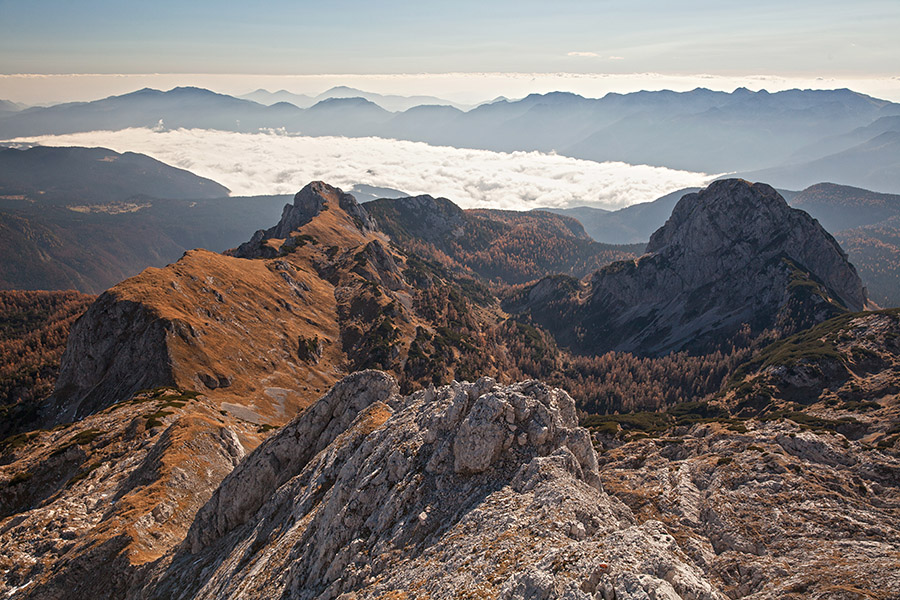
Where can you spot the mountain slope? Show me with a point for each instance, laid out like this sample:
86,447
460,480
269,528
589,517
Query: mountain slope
875,249
502,246
96,176
630,225
734,253
34,327
90,247
840,207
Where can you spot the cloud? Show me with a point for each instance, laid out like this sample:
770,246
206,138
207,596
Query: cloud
274,163
584,54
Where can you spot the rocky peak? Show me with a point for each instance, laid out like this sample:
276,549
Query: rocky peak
315,198
732,254
424,217
733,222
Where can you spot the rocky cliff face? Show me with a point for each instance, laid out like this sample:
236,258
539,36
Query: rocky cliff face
734,253
222,326
471,488
732,225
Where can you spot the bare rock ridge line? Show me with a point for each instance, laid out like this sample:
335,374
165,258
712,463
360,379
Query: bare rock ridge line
732,254
284,456
470,485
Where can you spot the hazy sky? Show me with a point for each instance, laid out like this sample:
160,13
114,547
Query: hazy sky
797,38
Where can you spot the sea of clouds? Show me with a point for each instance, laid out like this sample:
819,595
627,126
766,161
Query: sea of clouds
278,163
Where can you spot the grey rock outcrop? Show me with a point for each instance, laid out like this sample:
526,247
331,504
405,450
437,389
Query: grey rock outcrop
281,457
733,224
732,254
471,487
773,512
115,349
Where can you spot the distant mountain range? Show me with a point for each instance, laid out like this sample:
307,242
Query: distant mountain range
790,139
393,103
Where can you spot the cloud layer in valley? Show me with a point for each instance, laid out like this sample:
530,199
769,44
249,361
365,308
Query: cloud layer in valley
274,163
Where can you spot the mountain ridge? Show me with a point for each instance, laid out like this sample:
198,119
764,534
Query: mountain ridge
700,130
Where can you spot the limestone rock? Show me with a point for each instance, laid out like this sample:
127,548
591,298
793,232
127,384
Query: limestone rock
735,253
369,494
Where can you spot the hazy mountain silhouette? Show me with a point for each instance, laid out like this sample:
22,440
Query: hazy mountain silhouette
96,175
179,107
268,98
366,193
874,164
700,130
390,102
8,107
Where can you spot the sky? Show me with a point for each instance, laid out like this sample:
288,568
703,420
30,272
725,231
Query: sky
725,41
273,163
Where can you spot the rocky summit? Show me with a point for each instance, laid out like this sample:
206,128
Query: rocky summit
476,487
732,254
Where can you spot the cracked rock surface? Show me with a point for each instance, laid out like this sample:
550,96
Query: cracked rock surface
469,490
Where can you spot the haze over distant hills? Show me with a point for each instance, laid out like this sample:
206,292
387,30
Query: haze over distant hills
391,102
95,175
873,164
85,218
700,130
7,107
